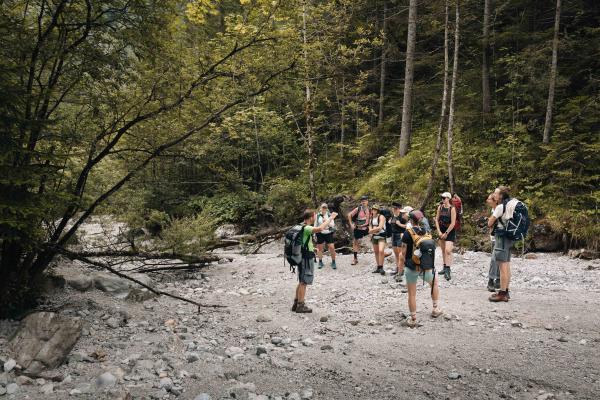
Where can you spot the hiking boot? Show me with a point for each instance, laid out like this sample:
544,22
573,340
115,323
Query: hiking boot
395,272
321,265
379,270
295,306
447,273
409,322
500,296
491,285
436,312
354,261
398,278
333,266
302,309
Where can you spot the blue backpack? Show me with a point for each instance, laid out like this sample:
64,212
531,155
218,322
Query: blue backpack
516,227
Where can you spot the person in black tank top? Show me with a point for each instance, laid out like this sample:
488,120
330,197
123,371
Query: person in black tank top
398,223
445,219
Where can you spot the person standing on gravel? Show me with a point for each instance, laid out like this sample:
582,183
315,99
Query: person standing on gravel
445,220
378,238
414,235
325,236
358,219
398,223
502,213
306,269
494,272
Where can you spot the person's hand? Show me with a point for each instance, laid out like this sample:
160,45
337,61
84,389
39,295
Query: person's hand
333,215
444,236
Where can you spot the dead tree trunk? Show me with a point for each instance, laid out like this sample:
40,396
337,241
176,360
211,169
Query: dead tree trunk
438,143
553,67
485,67
405,132
452,98
307,114
382,67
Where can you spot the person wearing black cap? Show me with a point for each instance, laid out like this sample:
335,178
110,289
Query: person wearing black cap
398,223
359,219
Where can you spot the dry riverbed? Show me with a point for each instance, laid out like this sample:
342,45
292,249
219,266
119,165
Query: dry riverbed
544,344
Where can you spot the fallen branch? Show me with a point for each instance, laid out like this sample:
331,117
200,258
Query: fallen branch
188,258
85,259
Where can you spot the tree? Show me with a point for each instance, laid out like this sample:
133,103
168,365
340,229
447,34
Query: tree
485,67
307,112
406,129
552,78
453,97
382,66
438,143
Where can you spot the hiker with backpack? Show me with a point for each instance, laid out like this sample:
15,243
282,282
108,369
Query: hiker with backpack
445,221
378,232
325,236
358,219
418,255
299,252
398,223
494,272
511,222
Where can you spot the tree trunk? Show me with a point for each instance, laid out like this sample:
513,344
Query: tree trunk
552,84
438,144
405,131
343,116
307,116
452,98
485,68
382,67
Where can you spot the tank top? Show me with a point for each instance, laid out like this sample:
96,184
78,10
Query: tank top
445,217
395,227
375,224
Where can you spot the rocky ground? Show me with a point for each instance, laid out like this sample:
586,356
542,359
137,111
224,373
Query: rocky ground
544,344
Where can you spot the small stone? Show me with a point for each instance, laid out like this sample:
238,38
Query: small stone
9,365
563,339
106,380
12,388
192,357
384,281
294,396
308,342
23,380
373,322
232,351
263,318
324,318
202,396
250,335
548,327
112,323
276,340
472,323
389,327
2,390
165,383
516,324
354,322
531,256
307,394
261,350
327,347
47,388
453,375
583,342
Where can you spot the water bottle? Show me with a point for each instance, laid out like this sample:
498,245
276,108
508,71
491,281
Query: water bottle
417,253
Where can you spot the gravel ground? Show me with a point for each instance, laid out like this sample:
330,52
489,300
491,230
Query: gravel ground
543,344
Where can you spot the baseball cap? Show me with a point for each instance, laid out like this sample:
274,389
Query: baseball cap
416,215
447,194
375,207
407,209
364,198
324,205
395,204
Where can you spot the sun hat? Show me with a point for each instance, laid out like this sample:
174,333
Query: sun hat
324,205
376,207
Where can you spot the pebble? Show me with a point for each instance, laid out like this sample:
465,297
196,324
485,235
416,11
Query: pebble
294,396
307,394
354,322
202,396
23,380
276,340
263,318
2,390
112,323
516,323
9,365
324,318
308,342
232,351
261,350
165,383
327,347
548,327
106,380
47,388
563,339
250,335
192,357
472,323
583,342
12,388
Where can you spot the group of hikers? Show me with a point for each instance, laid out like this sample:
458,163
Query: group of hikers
412,244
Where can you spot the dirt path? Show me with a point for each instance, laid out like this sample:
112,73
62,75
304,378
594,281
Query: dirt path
543,344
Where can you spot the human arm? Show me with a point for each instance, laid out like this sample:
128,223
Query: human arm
437,222
350,216
380,227
325,224
498,211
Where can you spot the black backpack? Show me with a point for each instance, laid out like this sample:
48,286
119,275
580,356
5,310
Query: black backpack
294,250
388,226
517,226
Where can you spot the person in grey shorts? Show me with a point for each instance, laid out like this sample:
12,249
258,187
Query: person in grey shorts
494,272
502,213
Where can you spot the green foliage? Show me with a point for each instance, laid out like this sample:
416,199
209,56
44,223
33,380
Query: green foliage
188,235
156,221
288,199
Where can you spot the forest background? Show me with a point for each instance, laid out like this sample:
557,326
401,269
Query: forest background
180,116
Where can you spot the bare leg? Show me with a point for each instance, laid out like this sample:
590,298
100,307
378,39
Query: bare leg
399,266
443,248
504,274
412,299
301,292
320,251
331,247
376,252
381,254
448,252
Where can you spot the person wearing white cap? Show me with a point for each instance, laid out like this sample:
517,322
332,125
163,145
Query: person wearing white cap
445,219
325,236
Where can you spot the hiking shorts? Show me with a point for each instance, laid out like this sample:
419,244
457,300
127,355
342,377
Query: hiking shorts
376,239
413,276
306,271
502,249
396,239
324,238
360,233
451,236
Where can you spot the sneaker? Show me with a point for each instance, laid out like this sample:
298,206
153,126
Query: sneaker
500,296
394,272
491,285
378,270
302,309
333,266
398,278
447,273
321,265
295,306
436,312
409,322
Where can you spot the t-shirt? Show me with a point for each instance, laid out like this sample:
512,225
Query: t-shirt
307,236
320,219
407,239
503,213
395,227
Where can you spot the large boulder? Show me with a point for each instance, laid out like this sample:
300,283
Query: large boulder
44,340
544,238
226,231
119,287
